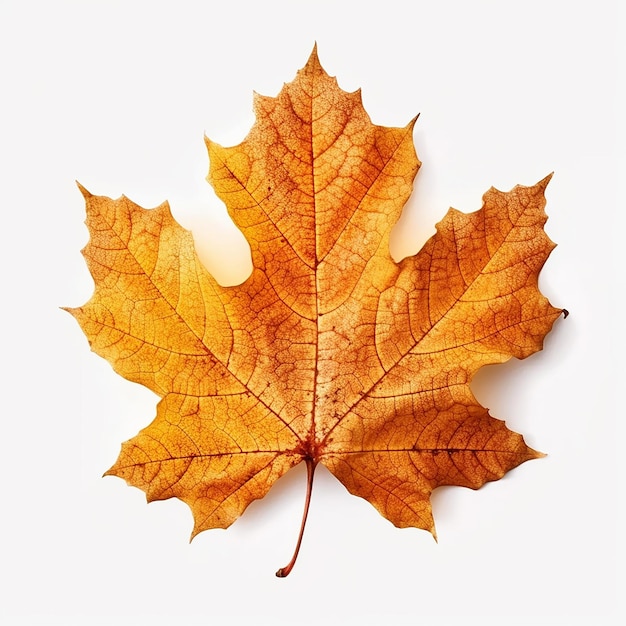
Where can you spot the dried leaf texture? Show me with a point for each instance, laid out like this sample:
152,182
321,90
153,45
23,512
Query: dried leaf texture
330,352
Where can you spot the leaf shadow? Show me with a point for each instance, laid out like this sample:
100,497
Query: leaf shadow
289,489
502,389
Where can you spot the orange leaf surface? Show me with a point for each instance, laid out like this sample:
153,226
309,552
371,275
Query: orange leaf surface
330,352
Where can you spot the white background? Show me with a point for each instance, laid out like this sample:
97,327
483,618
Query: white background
118,95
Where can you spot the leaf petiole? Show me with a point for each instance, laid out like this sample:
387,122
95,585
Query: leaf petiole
283,572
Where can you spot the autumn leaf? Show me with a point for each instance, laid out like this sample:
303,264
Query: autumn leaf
330,352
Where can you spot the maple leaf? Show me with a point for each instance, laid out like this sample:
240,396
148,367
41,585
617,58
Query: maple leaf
330,352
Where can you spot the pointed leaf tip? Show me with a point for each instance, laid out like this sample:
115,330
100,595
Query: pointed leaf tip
313,61
543,183
86,193
412,122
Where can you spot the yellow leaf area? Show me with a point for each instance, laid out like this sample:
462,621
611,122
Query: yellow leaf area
330,352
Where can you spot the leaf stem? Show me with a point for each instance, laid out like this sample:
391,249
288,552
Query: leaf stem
283,572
